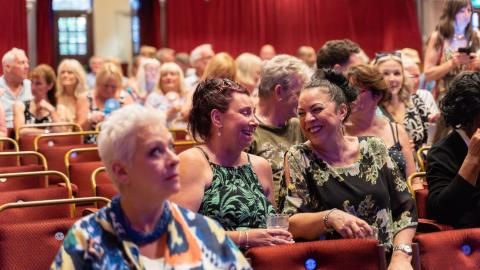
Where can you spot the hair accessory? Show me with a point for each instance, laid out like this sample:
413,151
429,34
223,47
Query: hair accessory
124,230
380,55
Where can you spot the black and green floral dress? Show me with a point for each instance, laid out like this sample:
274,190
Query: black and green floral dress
372,188
235,198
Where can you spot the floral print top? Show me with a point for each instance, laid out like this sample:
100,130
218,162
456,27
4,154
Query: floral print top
372,188
191,241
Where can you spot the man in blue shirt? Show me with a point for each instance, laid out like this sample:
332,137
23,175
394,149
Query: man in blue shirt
14,85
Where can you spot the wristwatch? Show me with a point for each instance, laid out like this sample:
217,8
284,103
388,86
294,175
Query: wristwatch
407,249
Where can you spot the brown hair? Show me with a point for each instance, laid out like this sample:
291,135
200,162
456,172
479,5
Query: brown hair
222,65
211,94
369,77
46,72
446,24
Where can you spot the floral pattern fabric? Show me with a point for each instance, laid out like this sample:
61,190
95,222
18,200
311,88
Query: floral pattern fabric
235,198
191,241
372,188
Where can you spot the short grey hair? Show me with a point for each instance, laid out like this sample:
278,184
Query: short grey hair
280,70
117,140
196,53
10,56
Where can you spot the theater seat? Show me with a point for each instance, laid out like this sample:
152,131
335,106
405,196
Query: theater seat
454,249
32,245
329,254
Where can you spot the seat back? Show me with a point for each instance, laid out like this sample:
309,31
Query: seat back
32,245
102,184
180,134
454,249
421,157
80,163
16,215
8,145
29,181
329,254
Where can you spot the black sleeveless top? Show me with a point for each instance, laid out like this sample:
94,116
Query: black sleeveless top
31,119
395,151
235,198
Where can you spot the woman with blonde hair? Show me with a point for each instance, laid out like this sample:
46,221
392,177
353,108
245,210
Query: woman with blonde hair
249,67
72,103
399,105
169,95
221,65
108,86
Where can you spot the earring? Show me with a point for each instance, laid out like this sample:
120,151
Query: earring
219,133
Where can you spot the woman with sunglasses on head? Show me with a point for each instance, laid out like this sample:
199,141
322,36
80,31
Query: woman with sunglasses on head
364,121
453,46
219,179
399,105
341,186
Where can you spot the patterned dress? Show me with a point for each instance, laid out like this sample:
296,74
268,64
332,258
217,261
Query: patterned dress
235,198
191,241
372,188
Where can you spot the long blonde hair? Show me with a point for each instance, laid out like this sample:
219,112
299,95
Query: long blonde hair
77,69
404,93
172,66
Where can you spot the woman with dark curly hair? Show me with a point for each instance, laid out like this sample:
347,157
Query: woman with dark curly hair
219,179
341,186
453,163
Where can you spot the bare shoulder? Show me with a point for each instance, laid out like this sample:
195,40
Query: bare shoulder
259,162
193,156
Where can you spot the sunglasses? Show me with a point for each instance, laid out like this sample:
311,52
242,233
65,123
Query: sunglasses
380,55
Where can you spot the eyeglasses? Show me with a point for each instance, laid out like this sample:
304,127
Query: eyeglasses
380,55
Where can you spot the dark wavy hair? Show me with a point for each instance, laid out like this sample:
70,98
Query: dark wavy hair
337,87
336,52
446,24
211,94
461,104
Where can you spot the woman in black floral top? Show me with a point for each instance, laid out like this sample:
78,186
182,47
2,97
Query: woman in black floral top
342,186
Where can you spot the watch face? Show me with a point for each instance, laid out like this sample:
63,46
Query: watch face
405,248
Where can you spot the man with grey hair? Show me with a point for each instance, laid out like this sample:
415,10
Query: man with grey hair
199,58
282,79
14,85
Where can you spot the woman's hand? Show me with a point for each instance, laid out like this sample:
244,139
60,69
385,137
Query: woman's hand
96,117
460,59
44,105
268,237
474,63
400,262
349,226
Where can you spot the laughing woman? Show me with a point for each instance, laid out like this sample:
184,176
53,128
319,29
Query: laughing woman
141,228
342,186
227,184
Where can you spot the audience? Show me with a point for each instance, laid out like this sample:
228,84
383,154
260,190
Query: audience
148,51
267,52
72,102
364,121
399,105
282,80
165,55
182,59
169,97
343,186
227,184
41,109
199,58
14,85
339,55
307,54
141,228
148,75
453,164
221,65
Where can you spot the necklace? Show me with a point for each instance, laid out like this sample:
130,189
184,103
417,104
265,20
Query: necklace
125,231
458,36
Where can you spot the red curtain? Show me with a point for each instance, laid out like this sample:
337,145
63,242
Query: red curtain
45,45
149,14
238,26
13,25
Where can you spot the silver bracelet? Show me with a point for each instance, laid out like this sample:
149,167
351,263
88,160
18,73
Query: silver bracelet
325,220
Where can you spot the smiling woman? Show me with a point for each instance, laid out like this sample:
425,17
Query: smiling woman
228,185
136,229
343,186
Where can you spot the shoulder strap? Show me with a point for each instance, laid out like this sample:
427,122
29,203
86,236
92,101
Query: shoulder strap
394,129
203,152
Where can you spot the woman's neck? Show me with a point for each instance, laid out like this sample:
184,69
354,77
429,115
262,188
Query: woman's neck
333,151
395,100
360,122
142,216
224,154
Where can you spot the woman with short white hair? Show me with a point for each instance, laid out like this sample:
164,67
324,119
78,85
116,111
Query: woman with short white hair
140,228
